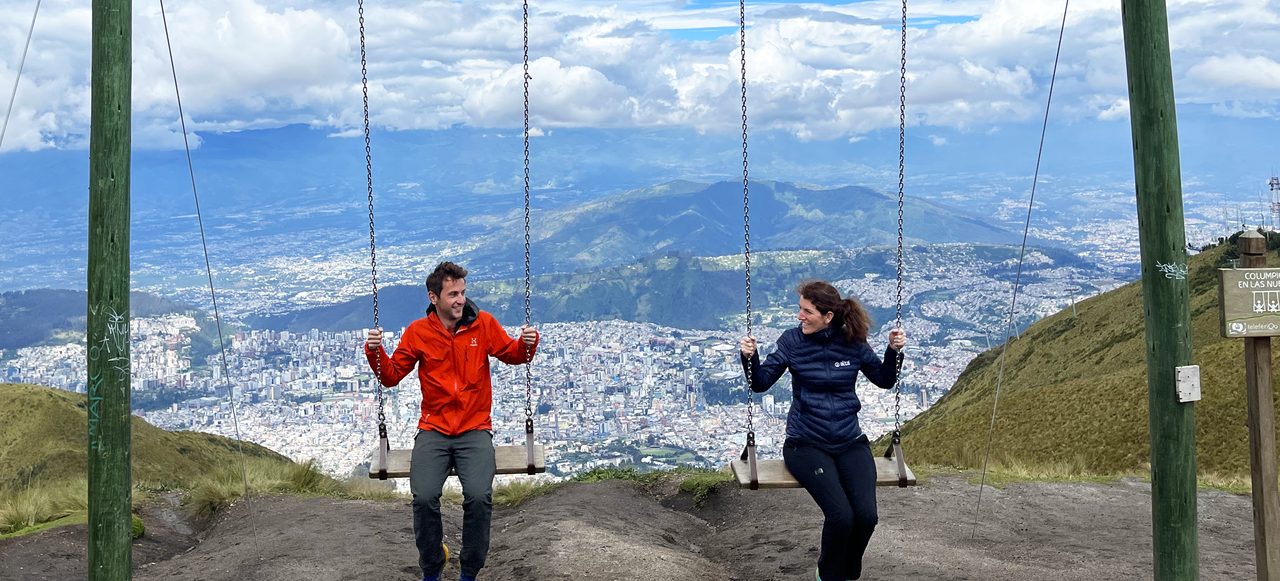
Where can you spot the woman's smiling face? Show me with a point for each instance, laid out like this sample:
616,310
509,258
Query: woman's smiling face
811,321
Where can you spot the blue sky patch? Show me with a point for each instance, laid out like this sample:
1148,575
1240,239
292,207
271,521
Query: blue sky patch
928,22
712,33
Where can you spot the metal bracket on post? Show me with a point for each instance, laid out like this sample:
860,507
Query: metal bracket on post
384,446
894,452
1188,383
749,456
528,446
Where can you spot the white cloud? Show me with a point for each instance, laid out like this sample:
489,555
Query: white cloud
1235,70
558,96
934,139
818,72
1119,109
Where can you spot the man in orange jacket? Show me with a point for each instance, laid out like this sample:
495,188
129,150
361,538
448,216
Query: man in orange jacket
451,347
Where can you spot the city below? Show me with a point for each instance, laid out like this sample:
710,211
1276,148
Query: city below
602,393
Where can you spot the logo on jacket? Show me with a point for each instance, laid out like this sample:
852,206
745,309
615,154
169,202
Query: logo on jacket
841,364
473,342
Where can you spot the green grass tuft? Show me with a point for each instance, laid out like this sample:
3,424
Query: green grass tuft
306,478
517,492
137,527
702,484
25,509
226,485
33,506
612,473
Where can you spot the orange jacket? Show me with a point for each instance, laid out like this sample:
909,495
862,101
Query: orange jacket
453,368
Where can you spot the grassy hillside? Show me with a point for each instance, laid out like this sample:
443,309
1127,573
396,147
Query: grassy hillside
43,465
43,435
1075,390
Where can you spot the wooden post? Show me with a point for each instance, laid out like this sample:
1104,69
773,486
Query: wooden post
1166,308
1262,431
110,486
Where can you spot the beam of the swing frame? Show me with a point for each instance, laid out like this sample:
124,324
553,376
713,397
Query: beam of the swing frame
110,548
1165,293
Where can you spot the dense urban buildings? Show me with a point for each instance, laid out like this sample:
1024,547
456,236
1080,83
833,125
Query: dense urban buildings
601,393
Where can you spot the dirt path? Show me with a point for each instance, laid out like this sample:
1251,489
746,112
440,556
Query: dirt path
615,530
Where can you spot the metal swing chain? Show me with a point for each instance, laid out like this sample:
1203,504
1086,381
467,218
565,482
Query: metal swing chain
373,249
528,368
746,205
902,167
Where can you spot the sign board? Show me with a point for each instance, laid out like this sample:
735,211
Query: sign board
1249,302
1188,383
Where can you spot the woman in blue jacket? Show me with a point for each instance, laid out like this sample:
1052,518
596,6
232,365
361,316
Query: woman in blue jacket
825,449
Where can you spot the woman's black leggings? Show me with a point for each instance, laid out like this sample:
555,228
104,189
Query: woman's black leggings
844,486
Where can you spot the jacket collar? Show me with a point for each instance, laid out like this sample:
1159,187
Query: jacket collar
824,336
469,314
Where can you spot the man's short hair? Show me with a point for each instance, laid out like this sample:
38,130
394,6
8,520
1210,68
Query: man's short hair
444,270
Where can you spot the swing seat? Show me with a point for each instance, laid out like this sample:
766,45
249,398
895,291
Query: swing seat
510,460
774,473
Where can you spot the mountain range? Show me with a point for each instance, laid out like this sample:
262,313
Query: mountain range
707,219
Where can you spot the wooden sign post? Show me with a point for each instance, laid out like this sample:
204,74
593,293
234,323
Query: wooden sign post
1249,302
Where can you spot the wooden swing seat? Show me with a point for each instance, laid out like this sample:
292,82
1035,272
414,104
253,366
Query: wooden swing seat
774,474
510,459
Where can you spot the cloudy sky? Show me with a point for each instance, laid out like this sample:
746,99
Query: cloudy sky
817,71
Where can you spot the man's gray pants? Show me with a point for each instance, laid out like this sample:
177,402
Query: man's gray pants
471,453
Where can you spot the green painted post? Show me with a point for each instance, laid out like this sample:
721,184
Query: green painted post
1165,302
110,486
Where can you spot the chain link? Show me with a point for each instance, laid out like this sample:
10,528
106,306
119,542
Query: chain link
746,199
528,367
373,249
902,173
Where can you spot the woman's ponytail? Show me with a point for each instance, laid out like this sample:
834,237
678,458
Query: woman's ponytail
857,322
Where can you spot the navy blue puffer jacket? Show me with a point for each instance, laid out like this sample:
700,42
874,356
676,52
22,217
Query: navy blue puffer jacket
824,368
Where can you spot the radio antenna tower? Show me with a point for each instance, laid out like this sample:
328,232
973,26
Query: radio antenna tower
1274,184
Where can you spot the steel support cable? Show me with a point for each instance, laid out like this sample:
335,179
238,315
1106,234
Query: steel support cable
21,63
213,296
384,444
528,366
1013,303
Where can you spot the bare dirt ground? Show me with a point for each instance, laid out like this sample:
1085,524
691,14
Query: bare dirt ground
617,530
